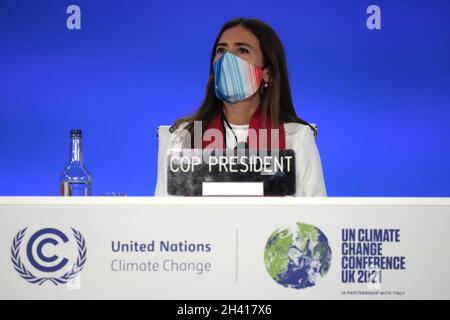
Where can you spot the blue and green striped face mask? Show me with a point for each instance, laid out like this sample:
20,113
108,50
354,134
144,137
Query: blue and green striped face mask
235,79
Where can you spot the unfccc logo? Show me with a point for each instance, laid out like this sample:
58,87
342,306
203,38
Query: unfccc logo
40,254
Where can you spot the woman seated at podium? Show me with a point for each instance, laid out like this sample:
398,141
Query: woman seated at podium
248,89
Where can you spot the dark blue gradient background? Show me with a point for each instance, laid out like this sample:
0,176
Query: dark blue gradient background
381,98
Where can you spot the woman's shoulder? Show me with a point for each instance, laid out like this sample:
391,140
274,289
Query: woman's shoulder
299,135
178,127
177,134
297,129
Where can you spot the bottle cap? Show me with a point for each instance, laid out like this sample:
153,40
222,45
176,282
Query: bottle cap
75,133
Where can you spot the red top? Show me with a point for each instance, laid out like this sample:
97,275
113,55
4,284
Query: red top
256,123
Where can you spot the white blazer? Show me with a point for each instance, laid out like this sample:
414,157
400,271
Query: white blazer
309,175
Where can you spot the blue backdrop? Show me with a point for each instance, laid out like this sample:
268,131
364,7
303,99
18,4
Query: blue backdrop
380,97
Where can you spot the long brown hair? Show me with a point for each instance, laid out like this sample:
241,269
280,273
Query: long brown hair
276,99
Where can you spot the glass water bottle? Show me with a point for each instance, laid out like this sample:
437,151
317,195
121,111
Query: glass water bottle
75,179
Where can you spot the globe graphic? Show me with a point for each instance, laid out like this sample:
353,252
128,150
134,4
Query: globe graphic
297,258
